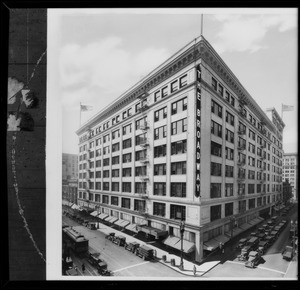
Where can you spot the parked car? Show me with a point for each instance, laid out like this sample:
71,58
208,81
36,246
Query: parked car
274,234
119,240
253,260
287,254
250,246
262,247
242,243
98,263
132,246
110,236
144,252
261,230
253,234
261,236
269,239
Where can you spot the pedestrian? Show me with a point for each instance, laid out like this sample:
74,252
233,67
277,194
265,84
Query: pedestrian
76,269
83,267
223,250
194,270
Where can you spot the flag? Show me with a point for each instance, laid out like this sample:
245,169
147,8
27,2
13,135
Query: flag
287,108
84,108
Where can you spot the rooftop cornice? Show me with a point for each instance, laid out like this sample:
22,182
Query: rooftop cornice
196,49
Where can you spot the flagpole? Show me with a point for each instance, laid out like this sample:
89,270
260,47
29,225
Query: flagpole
201,24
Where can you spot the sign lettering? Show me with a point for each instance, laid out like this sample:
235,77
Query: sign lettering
198,129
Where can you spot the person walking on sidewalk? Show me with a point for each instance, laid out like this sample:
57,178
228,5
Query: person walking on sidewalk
194,270
83,268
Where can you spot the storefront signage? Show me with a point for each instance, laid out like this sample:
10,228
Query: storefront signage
198,129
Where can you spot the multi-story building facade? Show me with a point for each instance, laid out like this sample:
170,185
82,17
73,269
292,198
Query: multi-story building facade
69,166
290,171
187,142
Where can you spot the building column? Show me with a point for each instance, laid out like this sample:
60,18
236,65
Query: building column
199,245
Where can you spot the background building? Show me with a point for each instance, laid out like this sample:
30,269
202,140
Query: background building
187,142
69,166
290,171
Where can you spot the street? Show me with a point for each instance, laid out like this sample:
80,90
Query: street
120,261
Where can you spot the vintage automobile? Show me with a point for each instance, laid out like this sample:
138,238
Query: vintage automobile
287,254
131,247
269,239
274,234
261,230
250,246
261,236
253,259
110,236
119,240
144,252
262,247
242,243
253,234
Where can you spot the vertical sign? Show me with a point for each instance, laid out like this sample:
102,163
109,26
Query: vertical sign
198,128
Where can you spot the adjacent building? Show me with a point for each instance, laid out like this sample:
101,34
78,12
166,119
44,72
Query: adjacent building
186,143
69,166
290,171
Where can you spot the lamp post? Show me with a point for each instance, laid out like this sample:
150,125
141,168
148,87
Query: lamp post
181,234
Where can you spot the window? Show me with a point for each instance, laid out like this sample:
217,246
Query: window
164,92
215,190
258,188
229,136
159,209
179,106
178,147
251,135
228,189
115,173
214,83
105,185
178,189
126,186
216,108
221,90
229,153
98,152
250,188
141,171
215,212
160,114
98,141
138,107
115,186
156,96
160,151
178,168
114,200
106,174
98,163
105,199
106,162
106,150
177,212
125,202
174,86
179,126
139,155
127,158
115,160
216,169
159,188
115,147
228,171
140,139
127,129
232,101
216,149
106,138
228,209
251,203
126,172
160,132
251,148
251,174
127,143
241,188
227,96
216,129
229,118
98,174
91,185
140,187
139,124
183,81
98,185
160,169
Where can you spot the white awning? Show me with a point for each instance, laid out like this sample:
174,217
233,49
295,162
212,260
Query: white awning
222,239
124,223
118,223
131,227
102,216
171,241
211,245
94,213
187,246
112,219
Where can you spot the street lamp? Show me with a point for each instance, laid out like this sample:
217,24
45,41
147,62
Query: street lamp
181,235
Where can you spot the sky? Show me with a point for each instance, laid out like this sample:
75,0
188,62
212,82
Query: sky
100,53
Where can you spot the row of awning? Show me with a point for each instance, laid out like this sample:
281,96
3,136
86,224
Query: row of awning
215,242
157,233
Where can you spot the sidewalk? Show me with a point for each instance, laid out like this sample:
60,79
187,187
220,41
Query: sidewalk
187,265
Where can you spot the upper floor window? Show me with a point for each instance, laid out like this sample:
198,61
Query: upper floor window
216,108
178,147
115,134
183,81
178,189
127,143
164,92
160,169
216,149
127,129
157,96
160,114
214,83
174,86
179,126
160,151
160,132
178,168
179,106
216,129
229,118
216,169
